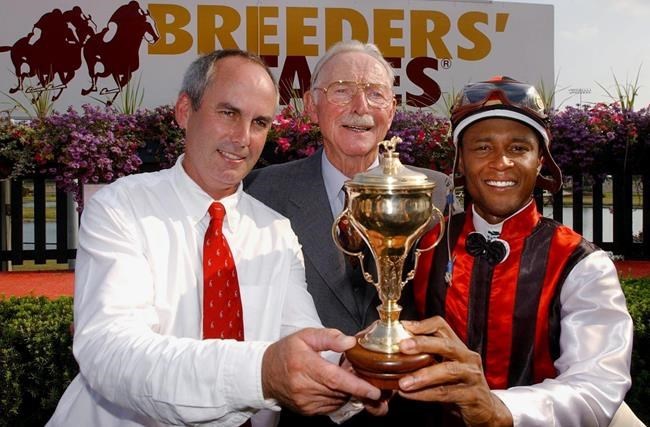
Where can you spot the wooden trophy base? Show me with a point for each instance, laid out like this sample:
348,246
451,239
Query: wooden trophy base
384,370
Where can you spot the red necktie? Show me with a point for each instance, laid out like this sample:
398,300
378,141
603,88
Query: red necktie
222,310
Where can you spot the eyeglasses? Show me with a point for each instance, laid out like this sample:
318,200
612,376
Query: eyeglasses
341,92
498,90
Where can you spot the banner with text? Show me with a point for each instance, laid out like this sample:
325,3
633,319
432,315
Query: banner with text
100,52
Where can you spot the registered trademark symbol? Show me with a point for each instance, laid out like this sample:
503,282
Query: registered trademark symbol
445,63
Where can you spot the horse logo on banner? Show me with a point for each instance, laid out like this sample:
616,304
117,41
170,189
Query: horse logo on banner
114,50
52,48
58,41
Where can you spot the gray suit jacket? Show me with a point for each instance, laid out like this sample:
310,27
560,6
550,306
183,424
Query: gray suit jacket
296,190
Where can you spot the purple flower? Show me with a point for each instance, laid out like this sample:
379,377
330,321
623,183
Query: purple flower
100,145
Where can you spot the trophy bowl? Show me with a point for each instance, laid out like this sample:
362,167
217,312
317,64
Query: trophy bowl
388,208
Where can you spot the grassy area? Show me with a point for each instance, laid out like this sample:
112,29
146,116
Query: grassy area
31,266
28,214
50,200
588,200
608,200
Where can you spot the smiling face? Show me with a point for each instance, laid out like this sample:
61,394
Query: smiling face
350,132
224,137
500,159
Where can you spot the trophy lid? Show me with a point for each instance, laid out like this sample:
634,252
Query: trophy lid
391,173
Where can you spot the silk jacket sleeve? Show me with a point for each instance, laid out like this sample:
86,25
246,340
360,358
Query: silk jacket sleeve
595,350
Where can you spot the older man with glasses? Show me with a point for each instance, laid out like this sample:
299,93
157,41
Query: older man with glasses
352,100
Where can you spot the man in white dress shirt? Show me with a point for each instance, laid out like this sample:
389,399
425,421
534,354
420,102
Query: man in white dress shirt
139,281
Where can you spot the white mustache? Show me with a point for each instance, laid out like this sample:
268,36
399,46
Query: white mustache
358,121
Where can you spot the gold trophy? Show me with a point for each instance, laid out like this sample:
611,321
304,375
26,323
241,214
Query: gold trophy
388,207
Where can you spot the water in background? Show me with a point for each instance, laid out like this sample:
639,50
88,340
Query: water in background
588,221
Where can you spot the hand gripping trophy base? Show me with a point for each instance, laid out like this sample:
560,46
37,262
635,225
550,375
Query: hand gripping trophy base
384,370
376,357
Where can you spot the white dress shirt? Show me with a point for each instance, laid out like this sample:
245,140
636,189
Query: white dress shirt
138,306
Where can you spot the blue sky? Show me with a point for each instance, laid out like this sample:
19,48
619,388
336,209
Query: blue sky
596,40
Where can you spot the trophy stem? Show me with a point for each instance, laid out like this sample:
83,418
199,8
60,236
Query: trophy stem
386,333
389,311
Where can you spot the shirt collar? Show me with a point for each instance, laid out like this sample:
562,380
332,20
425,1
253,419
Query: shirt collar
196,201
492,231
334,178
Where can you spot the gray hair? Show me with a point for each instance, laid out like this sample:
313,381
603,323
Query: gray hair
198,74
369,49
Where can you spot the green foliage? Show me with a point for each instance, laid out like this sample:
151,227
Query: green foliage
36,362
16,155
549,94
626,93
637,293
38,104
129,99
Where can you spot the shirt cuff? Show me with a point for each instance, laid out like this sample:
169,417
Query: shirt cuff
242,379
527,407
347,411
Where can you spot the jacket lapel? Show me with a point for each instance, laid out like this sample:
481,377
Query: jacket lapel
311,217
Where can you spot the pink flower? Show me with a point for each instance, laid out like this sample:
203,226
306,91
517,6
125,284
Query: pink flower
309,150
283,144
